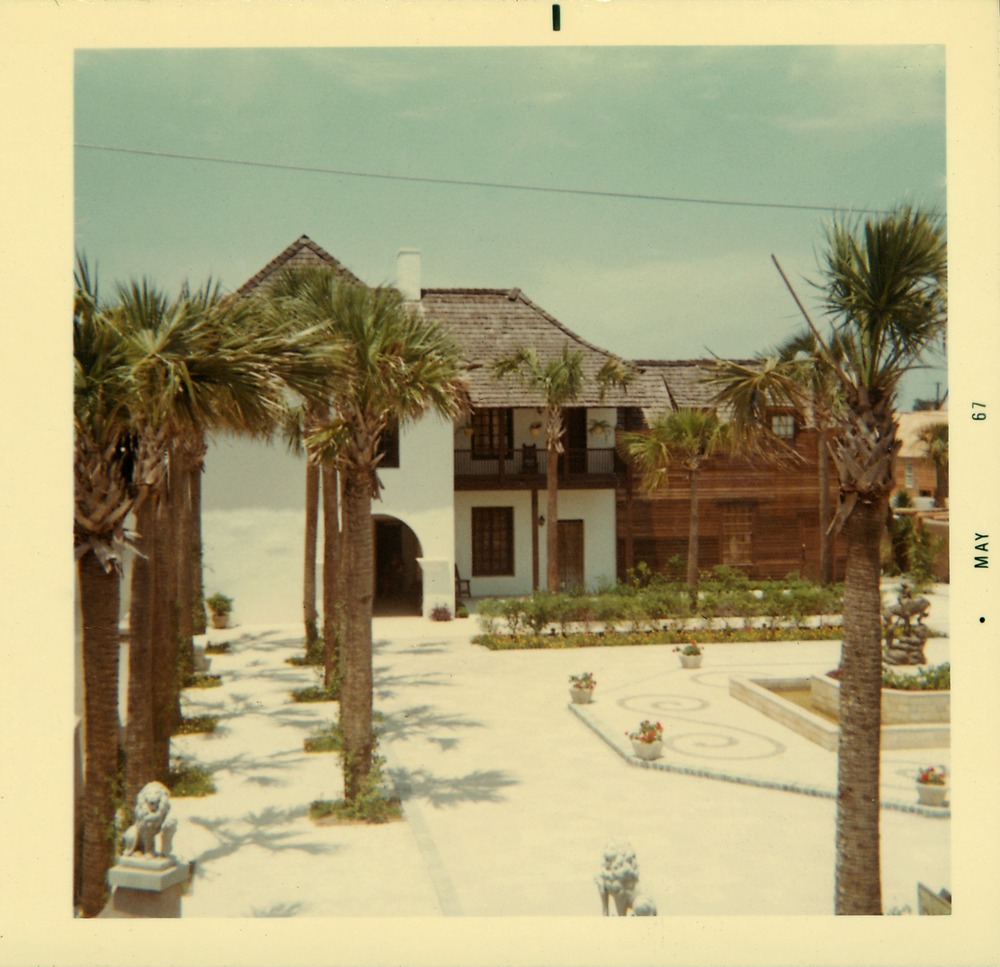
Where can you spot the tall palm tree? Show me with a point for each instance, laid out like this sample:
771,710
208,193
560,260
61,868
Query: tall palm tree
201,363
686,437
113,469
884,286
399,367
794,374
295,431
559,381
934,436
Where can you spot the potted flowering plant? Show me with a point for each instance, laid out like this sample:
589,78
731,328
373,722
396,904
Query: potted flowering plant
219,607
647,740
690,654
932,786
582,688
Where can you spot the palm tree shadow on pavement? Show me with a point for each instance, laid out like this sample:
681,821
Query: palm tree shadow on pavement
269,830
441,791
418,720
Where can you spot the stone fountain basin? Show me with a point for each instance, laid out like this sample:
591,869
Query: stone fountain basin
910,720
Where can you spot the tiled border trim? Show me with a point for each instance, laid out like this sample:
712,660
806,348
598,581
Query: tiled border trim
804,790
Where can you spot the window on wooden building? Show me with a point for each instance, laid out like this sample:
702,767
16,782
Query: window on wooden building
492,432
492,541
737,534
783,426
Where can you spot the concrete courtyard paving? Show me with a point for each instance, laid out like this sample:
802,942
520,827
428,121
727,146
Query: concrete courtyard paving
510,795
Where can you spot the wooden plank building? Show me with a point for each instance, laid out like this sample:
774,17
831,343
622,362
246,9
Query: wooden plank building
760,518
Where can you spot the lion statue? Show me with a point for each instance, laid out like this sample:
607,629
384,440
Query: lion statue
619,880
151,808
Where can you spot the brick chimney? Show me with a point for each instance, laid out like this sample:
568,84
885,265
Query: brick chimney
408,273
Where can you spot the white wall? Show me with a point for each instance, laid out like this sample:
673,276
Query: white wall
595,507
419,493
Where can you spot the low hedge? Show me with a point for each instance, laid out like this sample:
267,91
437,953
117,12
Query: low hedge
644,607
608,639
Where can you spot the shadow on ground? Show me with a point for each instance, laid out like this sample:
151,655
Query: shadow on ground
479,786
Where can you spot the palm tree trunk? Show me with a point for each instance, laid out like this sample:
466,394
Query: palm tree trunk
552,531
332,631
309,571
139,744
185,567
825,537
198,578
692,556
858,880
99,603
356,687
165,630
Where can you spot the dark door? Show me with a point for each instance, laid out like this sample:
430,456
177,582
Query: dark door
570,553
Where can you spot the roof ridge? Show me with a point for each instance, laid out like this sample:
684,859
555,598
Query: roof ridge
303,241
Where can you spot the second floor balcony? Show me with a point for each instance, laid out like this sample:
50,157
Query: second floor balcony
527,468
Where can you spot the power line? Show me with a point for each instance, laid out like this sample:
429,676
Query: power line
478,184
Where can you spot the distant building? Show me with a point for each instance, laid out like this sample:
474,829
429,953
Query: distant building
467,500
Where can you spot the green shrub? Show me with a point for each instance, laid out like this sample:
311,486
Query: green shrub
328,739
197,725
930,679
665,636
318,693
222,648
185,779
203,681
371,805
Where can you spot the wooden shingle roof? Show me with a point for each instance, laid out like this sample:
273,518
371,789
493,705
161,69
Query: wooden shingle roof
683,384
490,324
303,251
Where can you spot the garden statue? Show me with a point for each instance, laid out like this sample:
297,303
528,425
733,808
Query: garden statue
905,632
151,808
619,878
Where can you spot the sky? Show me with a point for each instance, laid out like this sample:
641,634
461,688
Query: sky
825,128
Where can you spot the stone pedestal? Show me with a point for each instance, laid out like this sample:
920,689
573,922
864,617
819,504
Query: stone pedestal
150,888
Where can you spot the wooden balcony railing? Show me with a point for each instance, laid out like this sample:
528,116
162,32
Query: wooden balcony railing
527,465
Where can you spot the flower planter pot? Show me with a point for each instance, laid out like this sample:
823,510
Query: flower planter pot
691,661
220,620
581,696
647,750
931,795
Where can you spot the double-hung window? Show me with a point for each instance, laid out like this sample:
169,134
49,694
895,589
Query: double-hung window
492,541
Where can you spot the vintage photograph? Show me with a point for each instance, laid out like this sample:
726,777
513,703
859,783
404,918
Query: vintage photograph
512,480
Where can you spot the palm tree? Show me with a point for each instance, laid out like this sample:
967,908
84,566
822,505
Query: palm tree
686,437
295,431
806,380
398,366
113,469
202,363
884,287
934,436
559,382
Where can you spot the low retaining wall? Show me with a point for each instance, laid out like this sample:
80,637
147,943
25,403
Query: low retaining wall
898,707
764,694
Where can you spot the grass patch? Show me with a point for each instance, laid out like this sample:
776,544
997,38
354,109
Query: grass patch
222,648
313,654
197,725
187,780
372,809
317,693
608,639
203,681
330,739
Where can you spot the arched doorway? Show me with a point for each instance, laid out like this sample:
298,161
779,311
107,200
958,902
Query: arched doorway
398,587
